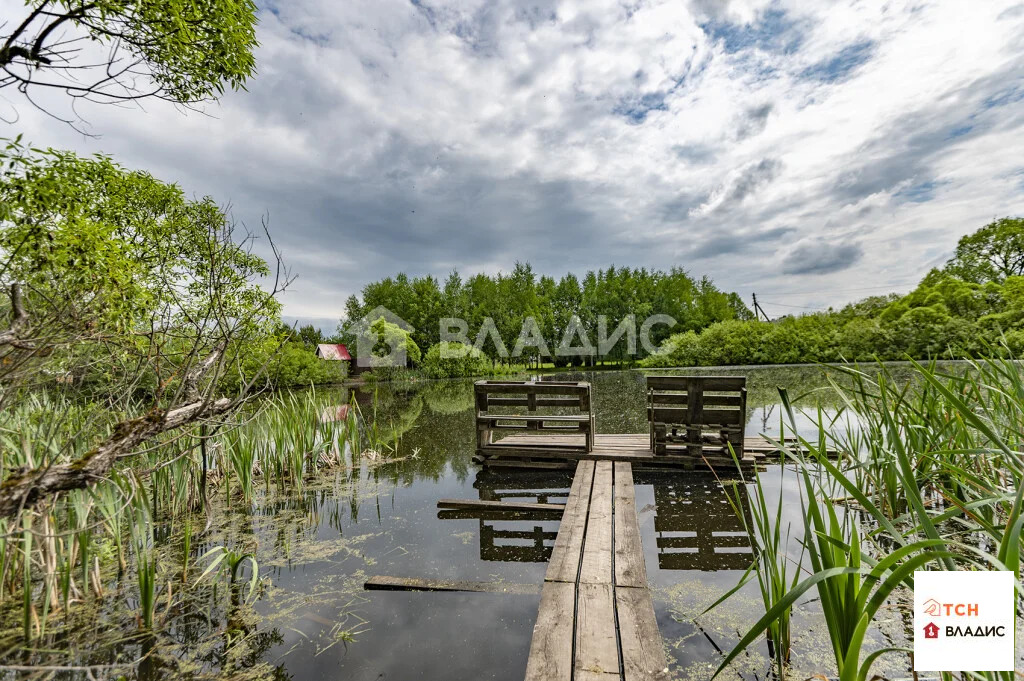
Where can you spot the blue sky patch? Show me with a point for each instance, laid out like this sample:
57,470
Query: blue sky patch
840,66
637,108
775,31
922,192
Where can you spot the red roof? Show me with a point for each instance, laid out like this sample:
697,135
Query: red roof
333,351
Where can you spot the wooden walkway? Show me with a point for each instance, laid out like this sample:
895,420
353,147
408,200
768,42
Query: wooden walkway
596,620
529,450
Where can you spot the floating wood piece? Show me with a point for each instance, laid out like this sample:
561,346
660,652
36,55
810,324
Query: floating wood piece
469,504
488,514
385,583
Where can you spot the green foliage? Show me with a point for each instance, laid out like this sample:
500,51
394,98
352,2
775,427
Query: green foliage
125,266
968,308
993,253
391,338
555,306
449,359
930,481
285,364
187,50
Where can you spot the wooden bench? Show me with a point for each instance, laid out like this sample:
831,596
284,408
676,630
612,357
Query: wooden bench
697,415
526,397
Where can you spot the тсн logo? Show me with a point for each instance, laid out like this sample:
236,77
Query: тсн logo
933,608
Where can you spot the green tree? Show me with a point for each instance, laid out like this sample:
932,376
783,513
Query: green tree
994,252
122,286
184,52
310,336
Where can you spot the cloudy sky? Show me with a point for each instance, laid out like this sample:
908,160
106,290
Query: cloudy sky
811,152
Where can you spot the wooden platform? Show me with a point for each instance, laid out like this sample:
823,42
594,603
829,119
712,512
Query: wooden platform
596,620
530,450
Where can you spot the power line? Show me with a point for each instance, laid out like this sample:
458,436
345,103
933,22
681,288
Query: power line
804,307
840,290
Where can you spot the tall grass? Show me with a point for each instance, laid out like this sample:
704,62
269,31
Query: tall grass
62,553
931,480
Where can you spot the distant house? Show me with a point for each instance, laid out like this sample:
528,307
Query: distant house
333,351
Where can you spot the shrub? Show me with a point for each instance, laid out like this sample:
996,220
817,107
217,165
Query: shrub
451,359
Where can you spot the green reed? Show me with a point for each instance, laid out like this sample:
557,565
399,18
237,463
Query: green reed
928,481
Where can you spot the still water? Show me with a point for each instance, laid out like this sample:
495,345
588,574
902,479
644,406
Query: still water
315,621
694,545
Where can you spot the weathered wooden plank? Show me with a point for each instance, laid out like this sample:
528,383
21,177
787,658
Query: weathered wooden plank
486,514
571,418
643,654
532,465
387,583
464,504
551,656
709,400
597,646
545,388
708,417
710,383
584,675
569,402
629,555
596,567
565,559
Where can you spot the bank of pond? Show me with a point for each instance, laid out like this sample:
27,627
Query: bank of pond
240,550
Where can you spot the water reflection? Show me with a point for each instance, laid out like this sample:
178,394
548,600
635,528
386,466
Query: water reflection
697,528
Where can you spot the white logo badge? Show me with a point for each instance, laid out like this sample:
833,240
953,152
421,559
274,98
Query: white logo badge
963,620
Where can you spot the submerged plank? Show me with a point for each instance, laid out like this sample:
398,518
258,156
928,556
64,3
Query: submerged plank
465,504
488,514
565,559
551,648
386,583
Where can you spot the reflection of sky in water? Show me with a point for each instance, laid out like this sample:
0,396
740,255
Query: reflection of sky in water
694,545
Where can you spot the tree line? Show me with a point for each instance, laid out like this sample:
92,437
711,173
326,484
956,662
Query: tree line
973,306
605,296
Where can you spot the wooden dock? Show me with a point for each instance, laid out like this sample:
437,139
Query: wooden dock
527,450
596,620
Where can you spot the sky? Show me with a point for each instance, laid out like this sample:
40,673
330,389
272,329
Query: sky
812,153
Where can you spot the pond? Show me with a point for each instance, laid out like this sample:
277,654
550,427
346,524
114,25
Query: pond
317,547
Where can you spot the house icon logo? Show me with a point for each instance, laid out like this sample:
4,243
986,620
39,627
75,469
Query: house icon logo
374,346
932,607
931,630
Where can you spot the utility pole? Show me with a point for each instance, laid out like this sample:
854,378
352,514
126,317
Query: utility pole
758,310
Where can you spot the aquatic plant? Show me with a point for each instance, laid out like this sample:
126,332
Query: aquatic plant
929,482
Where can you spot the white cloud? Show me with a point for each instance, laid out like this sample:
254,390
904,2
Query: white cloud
383,136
